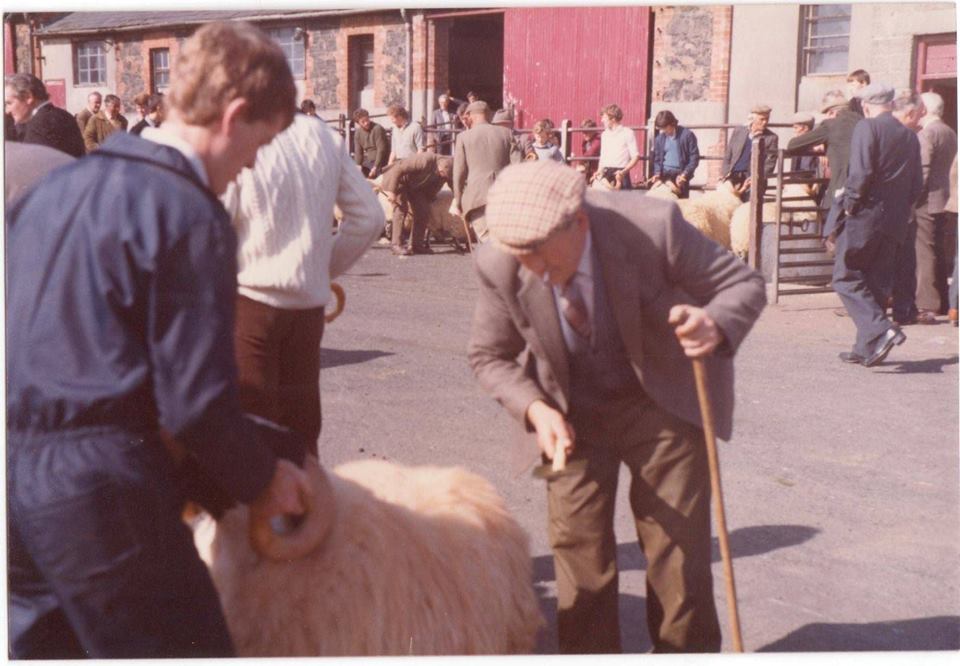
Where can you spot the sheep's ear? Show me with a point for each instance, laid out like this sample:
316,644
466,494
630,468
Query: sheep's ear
312,530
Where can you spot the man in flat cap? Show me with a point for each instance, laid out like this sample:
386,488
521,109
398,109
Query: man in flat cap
479,154
835,132
884,182
590,305
736,159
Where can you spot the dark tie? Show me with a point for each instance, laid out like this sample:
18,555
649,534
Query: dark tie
575,309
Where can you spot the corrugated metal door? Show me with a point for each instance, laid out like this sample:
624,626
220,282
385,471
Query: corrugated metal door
569,62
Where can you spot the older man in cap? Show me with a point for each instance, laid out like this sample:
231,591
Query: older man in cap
736,159
590,305
834,132
480,153
884,182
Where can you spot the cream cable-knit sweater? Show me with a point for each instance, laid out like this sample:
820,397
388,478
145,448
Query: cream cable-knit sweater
282,210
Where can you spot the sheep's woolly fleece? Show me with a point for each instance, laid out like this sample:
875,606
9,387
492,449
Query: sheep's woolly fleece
740,223
423,561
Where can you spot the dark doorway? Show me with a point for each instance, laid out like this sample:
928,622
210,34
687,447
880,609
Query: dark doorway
360,61
936,61
476,58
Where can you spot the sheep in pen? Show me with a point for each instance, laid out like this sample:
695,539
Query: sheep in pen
416,561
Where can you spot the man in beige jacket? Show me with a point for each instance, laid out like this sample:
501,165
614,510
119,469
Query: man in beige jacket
480,153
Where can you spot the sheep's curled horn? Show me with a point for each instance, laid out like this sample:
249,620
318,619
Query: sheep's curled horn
306,537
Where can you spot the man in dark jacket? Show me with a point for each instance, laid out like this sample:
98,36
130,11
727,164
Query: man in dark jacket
371,147
885,180
122,330
736,159
675,154
835,132
412,184
38,119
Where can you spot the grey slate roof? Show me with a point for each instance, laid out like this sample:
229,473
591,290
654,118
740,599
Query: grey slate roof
93,22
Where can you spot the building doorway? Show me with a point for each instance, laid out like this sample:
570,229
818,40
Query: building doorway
476,58
936,58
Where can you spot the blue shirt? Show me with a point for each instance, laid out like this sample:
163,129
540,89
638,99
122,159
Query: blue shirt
671,156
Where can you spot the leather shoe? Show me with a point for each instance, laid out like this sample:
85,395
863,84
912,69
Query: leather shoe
851,357
401,251
883,345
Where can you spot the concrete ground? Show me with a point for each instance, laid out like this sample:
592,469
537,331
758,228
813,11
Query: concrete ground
841,482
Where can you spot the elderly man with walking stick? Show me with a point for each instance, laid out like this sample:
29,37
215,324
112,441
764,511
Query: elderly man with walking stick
588,315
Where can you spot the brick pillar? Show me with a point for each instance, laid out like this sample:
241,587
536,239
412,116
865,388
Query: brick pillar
720,75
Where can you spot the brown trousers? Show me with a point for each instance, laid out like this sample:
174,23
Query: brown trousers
936,247
670,499
278,358
417,206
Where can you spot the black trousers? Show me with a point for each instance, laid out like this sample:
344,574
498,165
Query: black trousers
905,278
864,286
100,564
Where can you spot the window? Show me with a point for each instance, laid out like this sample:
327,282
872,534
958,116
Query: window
291,40
826,39
360,54
159,70
90,63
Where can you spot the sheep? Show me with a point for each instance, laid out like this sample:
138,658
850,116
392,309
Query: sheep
662,190
709,213
740,223
421,560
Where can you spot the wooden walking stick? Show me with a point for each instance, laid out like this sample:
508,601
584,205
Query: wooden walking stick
706,413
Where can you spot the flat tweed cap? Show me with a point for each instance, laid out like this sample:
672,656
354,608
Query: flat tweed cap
478,107
802,118
760,109
531,200
876,93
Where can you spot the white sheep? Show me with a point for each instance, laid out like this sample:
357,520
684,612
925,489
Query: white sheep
709,213
740,223
423,561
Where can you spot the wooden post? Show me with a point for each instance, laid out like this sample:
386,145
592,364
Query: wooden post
778,206
565,140
757,181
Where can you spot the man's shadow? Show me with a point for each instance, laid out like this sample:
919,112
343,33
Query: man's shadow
940,632
744,542
331,358
925,366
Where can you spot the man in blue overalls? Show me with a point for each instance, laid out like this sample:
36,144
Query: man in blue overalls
121,282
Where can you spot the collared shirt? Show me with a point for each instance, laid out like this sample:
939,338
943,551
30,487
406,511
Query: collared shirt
40,106
617,147
165,138
407,140
584,281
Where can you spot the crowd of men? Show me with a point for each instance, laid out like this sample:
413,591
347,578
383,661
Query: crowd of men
171,352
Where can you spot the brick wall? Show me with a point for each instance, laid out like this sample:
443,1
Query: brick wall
134,74
323,75
330,78
691,65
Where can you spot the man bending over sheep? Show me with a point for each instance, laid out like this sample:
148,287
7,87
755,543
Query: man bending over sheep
611,382
120,326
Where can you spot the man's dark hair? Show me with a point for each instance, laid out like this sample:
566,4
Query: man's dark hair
110,99
665,119
154,102
24,83
307,106
860,76
360,113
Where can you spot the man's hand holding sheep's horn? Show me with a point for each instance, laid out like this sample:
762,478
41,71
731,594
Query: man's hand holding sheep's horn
604,297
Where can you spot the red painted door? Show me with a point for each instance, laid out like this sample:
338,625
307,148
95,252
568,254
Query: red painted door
570,62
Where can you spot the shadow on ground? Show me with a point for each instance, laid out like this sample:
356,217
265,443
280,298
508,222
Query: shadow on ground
927,633
925,366
744,542
331,358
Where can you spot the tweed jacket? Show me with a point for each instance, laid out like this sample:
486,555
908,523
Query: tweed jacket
415,174
480,153
737,144
99,128
651,260
938,147
52,126
836,134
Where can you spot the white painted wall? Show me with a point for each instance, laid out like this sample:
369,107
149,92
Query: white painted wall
58,64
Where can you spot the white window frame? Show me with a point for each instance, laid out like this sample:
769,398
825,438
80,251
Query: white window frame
811,45
159,87
294,47
90,63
